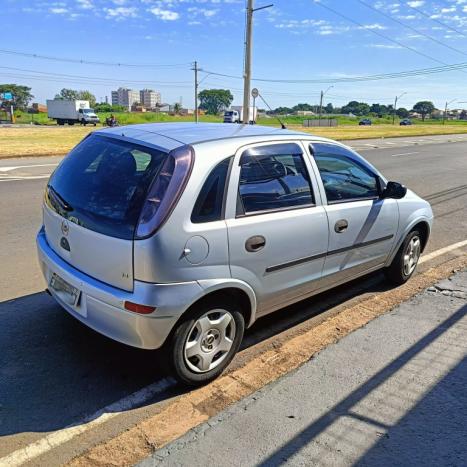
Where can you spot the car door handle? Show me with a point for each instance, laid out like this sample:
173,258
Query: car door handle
341,225
255,243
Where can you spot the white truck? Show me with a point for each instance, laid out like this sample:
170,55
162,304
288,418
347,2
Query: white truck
235,114
71,112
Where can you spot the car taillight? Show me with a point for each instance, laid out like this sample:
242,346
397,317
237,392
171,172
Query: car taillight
165,191
138,308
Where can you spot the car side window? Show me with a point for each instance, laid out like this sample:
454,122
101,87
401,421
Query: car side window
208,206
273,177
344,178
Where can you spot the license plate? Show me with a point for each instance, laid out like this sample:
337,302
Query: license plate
64,290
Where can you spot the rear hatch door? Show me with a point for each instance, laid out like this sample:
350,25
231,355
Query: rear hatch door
93,202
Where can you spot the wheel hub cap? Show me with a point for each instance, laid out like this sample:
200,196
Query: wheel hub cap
209,340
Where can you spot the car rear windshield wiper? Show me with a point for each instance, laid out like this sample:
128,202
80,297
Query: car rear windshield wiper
64,204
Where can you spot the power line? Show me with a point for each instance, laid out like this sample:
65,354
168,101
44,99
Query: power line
384,36
93,78
91,62
377,77
57,79
435,20
431,38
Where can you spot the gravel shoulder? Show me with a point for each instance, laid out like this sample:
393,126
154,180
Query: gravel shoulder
392,392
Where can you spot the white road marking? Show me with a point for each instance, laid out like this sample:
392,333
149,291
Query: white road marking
442,251
64,435
59,437
404,154
27,177
8,169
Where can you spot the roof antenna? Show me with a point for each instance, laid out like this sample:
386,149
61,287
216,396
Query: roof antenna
280,121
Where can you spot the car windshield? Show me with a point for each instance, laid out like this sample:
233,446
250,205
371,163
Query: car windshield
88,111
102,184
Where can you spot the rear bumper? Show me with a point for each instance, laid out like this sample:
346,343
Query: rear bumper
101,307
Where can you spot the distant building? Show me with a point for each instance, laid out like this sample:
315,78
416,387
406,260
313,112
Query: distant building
125,97
149,98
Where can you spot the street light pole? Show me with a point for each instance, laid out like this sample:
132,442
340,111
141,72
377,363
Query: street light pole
395,107
248,53
195,69
446,110
321,103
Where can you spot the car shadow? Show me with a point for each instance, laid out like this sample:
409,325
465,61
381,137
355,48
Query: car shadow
54,371
432,432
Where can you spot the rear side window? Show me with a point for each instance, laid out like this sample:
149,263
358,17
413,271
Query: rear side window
102,184
210,202
273,177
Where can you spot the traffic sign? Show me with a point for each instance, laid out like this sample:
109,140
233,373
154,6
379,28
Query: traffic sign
7,96
255,93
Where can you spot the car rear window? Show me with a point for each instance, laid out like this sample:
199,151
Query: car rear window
102,184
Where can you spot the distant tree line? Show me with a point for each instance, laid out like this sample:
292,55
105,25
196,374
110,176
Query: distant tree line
360,109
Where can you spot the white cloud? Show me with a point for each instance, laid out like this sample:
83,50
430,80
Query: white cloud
416,3
374,26
206,12
121,12
58,11
165,15
384,46
85,4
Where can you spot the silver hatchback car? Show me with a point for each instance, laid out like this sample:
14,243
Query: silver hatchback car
183,235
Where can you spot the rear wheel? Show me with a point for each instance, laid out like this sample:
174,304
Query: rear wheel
405,262
205,342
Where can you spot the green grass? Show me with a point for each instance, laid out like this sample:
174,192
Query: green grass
130,118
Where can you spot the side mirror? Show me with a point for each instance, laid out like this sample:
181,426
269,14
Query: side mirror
394,190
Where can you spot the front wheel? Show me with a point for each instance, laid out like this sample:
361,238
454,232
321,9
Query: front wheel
405,262
205,342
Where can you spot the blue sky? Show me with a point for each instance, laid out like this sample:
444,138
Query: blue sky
295,39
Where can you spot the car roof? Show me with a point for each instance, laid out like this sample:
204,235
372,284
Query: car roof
172,135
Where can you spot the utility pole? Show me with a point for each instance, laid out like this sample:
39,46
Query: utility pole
247,71
321,102
248,52
395,107
446,110
195,69
320,106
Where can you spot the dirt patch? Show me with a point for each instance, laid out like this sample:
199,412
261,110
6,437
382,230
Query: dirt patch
190,410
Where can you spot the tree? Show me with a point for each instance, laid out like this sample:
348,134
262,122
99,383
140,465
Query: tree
215,100
177,108
68,94
73,94
282,111
424,108
87,96
356,108
329,109
106,107
379,109
302,107
21,95
402,112
463,115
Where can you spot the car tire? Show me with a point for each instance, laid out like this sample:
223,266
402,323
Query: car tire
405,262
205,342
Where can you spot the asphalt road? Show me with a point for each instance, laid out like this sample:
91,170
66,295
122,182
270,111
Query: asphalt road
54,371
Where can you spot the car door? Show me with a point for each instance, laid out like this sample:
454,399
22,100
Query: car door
277,226
362,226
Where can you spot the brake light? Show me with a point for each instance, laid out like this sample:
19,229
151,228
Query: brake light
165,191
137,308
